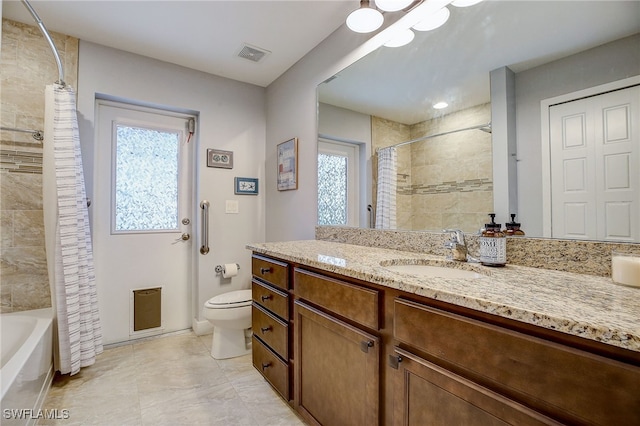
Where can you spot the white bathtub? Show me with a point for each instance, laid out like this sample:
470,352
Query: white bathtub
26,364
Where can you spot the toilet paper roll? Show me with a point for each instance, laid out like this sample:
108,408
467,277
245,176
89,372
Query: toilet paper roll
230,270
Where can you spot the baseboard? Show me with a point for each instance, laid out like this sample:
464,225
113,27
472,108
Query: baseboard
201,327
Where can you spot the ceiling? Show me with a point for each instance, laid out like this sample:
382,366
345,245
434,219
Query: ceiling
202,35
451,63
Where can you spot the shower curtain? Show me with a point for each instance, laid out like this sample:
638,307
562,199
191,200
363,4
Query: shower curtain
67,237
387,185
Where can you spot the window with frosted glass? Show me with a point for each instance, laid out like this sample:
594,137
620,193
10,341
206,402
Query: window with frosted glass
332,189
146,179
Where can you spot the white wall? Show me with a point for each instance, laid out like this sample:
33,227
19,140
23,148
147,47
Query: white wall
231,117
610,62
292,112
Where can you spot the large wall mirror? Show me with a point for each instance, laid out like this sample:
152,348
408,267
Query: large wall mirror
502,67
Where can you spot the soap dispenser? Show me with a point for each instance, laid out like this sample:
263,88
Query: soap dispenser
493,244
513,227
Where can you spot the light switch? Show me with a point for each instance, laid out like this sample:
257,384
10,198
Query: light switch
231,207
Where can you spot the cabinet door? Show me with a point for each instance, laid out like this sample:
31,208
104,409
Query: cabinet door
426,394
336,370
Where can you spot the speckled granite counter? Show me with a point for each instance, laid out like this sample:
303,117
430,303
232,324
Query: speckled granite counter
582,305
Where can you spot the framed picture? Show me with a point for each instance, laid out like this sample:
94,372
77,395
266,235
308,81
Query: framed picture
246,186
288,165
219,158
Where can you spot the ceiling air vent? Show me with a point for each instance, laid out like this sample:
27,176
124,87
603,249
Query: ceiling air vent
252,53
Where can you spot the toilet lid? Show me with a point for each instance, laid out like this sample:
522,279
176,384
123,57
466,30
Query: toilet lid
231,299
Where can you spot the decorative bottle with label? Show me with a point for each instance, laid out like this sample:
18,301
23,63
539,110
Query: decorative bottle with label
493,244
513,227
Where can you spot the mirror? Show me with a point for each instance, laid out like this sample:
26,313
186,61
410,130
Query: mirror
548,49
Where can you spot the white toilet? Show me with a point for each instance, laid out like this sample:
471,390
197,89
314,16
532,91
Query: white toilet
230,315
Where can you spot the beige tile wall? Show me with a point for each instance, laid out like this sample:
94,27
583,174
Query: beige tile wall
27,65
444,182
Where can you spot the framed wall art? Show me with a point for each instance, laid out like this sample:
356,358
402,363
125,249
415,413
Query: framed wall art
246,186
219,158
288,165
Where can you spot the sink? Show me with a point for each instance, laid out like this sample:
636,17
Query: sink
434,271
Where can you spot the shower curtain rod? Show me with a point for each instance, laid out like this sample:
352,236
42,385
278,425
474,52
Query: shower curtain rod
484,127
36,134
47,36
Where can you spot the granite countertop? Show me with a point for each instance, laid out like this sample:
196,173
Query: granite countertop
582,305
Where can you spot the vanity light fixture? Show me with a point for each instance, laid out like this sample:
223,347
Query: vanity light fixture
392,5
364,19
434,21
440,105
402,38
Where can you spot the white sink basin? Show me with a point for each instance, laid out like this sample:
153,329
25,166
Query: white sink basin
434,271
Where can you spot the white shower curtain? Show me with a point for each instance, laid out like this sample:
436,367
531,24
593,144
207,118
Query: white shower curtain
387,185
67,237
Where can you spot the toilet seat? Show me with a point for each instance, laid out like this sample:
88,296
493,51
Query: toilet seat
232,299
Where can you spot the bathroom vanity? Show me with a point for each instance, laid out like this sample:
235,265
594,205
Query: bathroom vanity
347,339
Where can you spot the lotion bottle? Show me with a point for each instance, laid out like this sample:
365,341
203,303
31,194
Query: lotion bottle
493,244
513,227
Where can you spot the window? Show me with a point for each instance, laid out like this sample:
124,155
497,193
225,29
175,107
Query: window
338,193
146,179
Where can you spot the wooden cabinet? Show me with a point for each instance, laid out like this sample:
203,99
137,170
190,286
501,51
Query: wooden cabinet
426,394
556,381
336,370
270,322
348,352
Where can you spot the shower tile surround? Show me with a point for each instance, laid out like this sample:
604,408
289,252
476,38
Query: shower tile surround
27,66
445,180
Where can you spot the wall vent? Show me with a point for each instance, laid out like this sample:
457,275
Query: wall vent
252,53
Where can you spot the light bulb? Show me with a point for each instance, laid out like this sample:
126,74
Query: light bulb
440,105
401,39
364,20
392,5
433,21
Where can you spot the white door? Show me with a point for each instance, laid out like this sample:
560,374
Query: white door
595,167
142,212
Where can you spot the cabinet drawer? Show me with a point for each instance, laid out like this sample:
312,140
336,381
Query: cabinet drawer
347,300
571,385
271,367
271,330
270,270
274,300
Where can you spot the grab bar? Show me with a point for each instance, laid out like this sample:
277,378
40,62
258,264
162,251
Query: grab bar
204,205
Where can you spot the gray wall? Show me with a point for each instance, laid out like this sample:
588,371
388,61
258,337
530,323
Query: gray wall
603,64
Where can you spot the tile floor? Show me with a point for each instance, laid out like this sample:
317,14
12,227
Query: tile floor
171,380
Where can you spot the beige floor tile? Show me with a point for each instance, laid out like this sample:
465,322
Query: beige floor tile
169,380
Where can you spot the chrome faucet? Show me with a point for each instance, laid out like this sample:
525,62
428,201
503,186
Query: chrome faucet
456,244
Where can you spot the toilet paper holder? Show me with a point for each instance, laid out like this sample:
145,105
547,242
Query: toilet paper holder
219,268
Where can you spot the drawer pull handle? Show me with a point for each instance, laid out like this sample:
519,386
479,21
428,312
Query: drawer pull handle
265,298
265,329
265,365
265,270
365,345
394,361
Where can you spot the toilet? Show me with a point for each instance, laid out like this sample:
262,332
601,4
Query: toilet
230,315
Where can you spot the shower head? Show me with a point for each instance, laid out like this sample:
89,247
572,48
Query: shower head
486,129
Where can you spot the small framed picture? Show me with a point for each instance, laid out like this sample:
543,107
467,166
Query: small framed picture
219,158
246,186
288,165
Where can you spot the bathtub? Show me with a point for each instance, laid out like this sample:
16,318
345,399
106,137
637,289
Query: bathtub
26,369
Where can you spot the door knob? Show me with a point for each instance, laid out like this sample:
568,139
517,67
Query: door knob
185,237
